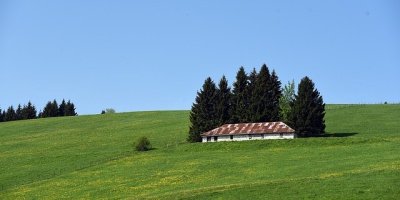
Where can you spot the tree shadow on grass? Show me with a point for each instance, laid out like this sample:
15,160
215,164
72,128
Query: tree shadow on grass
149,149
337,134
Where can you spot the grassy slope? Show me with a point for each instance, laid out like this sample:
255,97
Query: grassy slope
52,158
33,150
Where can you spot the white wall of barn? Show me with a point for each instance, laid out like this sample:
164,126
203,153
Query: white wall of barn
224,138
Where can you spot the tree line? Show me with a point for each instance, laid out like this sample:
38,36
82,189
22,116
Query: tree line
257,97
28,111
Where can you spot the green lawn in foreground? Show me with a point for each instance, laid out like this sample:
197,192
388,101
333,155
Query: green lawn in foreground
359,159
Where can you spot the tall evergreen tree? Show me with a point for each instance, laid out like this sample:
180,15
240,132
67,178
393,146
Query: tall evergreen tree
308,110
51,109
10,115
54,109
29,111
276,94
70,109
18,113
61,108
2,115
252,96
24,112
47,110
203,116
224,99
263,91
240,101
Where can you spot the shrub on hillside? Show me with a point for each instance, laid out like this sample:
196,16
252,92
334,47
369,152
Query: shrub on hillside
142,144
110,111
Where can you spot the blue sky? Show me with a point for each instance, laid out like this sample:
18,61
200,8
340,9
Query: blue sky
154,55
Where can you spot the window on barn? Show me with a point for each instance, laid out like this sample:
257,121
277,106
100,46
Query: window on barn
250,137
281,135
262,136
231,137
215,138
208,139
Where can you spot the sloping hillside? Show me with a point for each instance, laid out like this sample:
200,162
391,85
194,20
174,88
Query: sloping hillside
34,150
91,157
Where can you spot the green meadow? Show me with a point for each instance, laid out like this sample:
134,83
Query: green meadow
91,157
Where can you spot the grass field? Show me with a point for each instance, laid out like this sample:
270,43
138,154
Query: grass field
91,157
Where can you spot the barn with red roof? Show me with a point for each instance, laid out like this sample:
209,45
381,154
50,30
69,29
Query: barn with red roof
249,131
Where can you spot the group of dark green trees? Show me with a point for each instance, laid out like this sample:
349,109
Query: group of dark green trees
52,109
257,97
28,111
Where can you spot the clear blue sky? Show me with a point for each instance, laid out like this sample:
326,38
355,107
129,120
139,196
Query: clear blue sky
154,55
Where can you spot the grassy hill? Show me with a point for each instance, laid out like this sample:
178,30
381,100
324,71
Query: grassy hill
91,157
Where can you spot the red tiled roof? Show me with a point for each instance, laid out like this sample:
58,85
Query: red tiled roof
250,128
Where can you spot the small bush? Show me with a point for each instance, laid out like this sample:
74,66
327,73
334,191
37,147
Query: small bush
109,111
142,144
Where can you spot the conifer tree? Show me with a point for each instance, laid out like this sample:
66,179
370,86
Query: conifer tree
308,110
70,109
29,111
203,113
252,96
2,115
61,108
263,91
224,98
18,113
10,115
47,110
51,109
275,96
240,102
54,109
24,112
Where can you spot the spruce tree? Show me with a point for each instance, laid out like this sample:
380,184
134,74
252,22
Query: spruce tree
46,110
10,115
18,113
276,94
195,120
252,96
203,116
54,109
61,108
240,102
224,98
2,115
51,109
308,110
24,112
70,109
29,111
263,91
